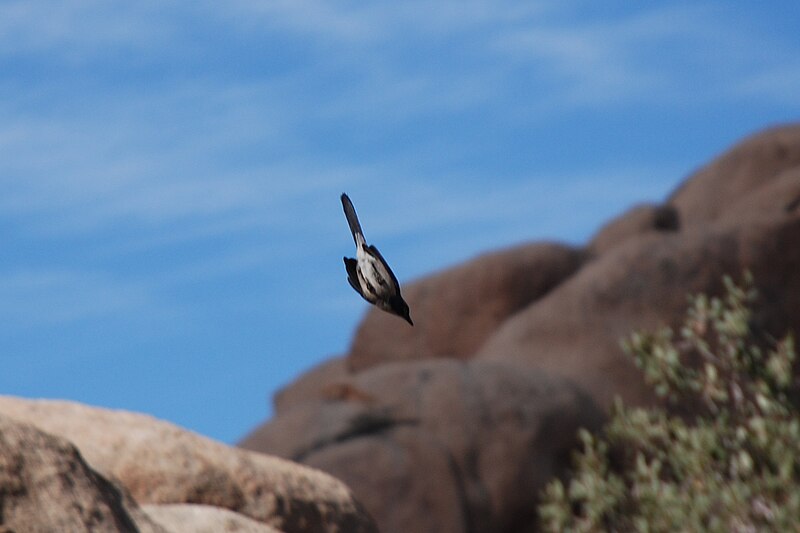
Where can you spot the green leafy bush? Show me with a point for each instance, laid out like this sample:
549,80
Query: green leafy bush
733,466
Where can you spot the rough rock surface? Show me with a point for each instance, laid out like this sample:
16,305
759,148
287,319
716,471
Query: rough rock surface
456,310
158,462
203,519
737,173
46,486
438,445
311,386
643,282
644,218
545,310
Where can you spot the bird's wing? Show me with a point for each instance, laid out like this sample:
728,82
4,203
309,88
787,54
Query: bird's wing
377,255
352,220
352,276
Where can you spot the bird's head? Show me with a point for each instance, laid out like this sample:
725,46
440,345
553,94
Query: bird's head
399,307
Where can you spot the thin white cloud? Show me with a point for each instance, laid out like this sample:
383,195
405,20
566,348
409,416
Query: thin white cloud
67,173
118,165
608,61
78,30
46,297
673,53
345,21
348,23
779,83
541,201
164,161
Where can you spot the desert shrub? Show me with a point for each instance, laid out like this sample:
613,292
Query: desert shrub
734,465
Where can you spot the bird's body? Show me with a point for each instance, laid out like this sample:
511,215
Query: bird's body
369,274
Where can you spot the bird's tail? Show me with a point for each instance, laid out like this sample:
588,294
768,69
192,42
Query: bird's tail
352,220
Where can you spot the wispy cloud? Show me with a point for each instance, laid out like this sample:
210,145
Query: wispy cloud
178,164
779,83
348,23
37,298
79,30
392,61
173,160
669,54
655,55
539,201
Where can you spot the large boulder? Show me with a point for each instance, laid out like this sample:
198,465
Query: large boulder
779,195
638,220
643,283
186,517
427,424
576,331
160,463
454,311
438,445
45,486
736,174
311,386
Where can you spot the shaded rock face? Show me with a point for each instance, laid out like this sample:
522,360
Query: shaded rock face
643,284
544,314
642,281
204,519
439,445
313,386
46,486
159,463
641,219
456,310
738,173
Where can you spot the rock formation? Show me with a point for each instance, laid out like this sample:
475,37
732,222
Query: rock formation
46,485
158,463
453,424
438,445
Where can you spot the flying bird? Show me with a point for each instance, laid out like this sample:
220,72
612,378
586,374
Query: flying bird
368,273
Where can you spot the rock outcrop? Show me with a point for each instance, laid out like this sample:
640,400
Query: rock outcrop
159,463
740,172
203,519
438,445
642,281
46,485
643,284
455,311
453,425
544,317
639,220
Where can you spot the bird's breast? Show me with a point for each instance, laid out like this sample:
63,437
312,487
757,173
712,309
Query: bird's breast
373,279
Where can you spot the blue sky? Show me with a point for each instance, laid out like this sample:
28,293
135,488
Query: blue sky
170,171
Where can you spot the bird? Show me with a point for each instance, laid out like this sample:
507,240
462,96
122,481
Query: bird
369,274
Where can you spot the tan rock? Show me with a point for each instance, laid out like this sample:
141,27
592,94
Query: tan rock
162,463
311,385
774,199
191,518
46,486
643,218
439,445
456,310
737,173
643,284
